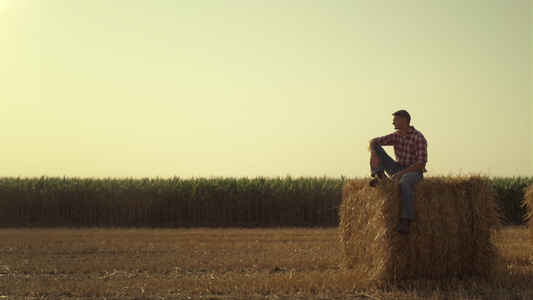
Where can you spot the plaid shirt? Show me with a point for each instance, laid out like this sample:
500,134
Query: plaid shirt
409,149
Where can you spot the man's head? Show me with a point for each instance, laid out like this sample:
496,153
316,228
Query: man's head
402,119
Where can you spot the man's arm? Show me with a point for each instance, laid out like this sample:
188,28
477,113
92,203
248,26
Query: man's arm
417,166
374,159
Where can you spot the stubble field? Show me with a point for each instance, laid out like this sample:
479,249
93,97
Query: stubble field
224,264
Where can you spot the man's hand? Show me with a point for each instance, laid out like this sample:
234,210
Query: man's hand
397,176
412,168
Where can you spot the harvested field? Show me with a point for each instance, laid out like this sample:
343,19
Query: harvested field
222,264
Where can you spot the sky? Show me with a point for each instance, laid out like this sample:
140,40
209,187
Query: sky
108,88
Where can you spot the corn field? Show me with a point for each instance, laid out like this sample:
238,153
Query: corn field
509,193
238,202
170,202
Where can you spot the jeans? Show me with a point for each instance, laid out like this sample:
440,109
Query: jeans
408,180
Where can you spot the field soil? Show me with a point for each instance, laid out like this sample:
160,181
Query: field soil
225,264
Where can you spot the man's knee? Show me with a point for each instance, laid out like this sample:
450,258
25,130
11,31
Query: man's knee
379,148
409,179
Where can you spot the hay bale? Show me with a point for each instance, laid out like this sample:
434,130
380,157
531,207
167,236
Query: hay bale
528,205
455,218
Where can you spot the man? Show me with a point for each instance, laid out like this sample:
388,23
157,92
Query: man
410,148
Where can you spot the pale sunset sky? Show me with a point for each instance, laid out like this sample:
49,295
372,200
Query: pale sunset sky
151,88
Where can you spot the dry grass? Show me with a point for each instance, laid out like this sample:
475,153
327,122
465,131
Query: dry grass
222,264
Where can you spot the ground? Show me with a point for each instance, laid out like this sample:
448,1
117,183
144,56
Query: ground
284,263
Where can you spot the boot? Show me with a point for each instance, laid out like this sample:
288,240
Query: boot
378,176
404,226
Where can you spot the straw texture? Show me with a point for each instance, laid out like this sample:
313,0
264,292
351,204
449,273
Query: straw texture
452,235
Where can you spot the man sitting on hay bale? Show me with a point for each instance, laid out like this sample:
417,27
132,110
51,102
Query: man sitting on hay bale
410,148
